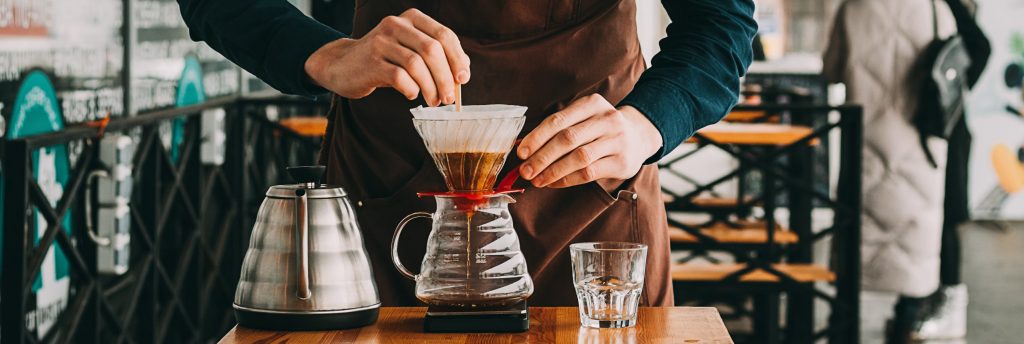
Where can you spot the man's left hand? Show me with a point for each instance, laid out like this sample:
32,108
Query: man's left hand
588,140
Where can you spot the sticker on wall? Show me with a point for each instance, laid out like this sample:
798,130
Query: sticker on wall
1009,168
36,111
995,115
190,92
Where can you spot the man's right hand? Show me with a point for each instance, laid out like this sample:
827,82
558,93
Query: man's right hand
412,53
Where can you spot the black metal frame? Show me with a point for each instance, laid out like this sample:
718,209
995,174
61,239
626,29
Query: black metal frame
796,181
189,228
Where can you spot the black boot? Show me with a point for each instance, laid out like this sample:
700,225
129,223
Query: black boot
907,313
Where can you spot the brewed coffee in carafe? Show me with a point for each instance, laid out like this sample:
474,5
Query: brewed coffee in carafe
473,259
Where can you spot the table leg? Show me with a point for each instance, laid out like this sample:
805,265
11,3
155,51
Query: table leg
766,317
800,302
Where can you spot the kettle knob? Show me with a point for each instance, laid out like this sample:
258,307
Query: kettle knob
308,175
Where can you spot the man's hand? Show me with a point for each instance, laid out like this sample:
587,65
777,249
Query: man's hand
588,140
412,53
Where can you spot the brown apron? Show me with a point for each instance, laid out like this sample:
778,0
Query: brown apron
538,53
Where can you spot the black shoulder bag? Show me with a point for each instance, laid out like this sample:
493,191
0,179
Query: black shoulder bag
940,72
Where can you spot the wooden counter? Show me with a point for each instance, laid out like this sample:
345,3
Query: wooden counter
547,325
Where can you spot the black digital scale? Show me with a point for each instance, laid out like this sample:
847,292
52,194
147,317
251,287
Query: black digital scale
514,318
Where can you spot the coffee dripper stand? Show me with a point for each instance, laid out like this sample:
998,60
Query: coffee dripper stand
460,319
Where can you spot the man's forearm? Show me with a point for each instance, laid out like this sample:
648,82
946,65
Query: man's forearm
269,38
694,80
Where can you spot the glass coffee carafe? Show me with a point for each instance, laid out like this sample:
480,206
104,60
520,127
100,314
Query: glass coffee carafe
473,259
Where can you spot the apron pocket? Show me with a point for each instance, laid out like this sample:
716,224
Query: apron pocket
611,191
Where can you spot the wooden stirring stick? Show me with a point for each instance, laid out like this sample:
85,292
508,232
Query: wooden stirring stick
458,97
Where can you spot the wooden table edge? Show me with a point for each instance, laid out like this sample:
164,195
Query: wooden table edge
548,324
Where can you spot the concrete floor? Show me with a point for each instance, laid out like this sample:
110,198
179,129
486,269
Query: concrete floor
994,272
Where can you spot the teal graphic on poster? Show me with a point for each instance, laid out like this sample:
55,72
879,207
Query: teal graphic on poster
36,111
190,92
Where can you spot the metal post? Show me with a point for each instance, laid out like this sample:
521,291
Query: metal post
91,322
766,316
16,219
800,307
128,36
742,208
240,178
192,180
847,240
150,210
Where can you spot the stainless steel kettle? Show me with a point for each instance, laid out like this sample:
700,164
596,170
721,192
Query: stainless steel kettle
306,267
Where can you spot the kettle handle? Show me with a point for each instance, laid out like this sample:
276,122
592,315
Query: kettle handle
302,244
394,242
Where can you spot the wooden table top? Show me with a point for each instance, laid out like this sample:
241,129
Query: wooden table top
763,134
547,325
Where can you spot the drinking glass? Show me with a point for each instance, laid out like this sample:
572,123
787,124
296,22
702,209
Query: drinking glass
608,277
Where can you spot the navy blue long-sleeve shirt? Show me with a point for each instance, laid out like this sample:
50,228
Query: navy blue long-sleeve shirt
692,82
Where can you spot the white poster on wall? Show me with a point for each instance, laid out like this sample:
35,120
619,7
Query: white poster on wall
995,116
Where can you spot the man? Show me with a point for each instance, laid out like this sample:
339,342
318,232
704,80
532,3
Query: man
595,118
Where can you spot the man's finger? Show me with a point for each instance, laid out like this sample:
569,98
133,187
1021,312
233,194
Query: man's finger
582,161
559,146
432,53
395,76
576,112
416,68
600,169
458,61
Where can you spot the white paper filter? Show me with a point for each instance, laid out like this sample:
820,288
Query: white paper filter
469,112
478,128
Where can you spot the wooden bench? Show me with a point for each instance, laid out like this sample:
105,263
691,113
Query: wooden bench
725,234
746,116
306,126
701,272
757,134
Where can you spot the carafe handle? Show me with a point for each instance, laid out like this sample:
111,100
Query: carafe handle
394,243
302,245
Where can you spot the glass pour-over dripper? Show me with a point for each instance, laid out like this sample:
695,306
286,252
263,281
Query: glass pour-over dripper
469,147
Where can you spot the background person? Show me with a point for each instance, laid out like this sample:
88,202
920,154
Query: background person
874,46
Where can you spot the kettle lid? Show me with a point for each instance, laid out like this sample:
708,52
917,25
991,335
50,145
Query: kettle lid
321,191
309,180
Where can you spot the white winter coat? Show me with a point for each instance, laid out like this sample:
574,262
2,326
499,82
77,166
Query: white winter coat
873,47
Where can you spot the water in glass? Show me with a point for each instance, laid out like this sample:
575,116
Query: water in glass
609,278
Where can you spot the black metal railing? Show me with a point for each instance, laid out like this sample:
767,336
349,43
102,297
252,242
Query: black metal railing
789,170
189,225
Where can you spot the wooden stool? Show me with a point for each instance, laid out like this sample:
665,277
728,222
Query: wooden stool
725,234
306,126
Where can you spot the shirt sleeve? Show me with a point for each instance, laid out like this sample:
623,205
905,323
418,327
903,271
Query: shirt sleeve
694,80
269,38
